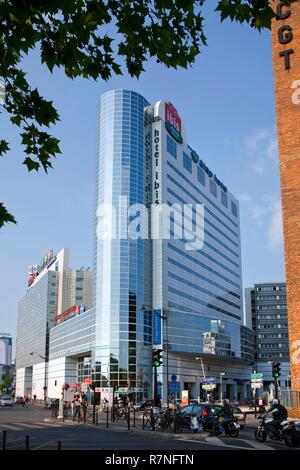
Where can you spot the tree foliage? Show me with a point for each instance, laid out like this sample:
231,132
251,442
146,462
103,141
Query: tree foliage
72,35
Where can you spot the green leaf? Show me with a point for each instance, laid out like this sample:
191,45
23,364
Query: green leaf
4,147
5,216
31,164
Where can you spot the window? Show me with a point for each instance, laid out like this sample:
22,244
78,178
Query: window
201,175
213,188
171,147
187,162
234,208
224,199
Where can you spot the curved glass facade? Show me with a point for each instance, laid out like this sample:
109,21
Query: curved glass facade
121,357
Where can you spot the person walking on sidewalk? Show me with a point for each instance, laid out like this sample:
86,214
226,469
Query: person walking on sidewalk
77,409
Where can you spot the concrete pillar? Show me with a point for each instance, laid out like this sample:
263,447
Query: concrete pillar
233,391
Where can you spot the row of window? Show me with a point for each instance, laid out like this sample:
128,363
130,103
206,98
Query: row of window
270,288
271,297
187,164
206,232
198,301
201,289
273,335
204,278
270,317
272,307
272,326
203,265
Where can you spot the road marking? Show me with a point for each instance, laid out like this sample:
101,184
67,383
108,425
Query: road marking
258,445
216,444
4,427
42,445
215,440
32,426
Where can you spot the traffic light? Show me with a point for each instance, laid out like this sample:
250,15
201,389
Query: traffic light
276,370
157,357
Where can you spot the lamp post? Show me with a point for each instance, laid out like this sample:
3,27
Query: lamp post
221,385
199,358
45,374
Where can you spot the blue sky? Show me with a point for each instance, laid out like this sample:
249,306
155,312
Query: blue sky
226,102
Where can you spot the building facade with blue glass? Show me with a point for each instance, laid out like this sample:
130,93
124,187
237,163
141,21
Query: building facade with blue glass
177,293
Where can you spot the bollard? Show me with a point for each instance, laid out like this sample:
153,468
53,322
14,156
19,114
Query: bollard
59,445
107,411
144,420
4,440
27,442
134,417
128,419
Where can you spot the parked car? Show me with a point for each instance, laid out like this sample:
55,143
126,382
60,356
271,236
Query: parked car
51,403
142,405
6,401
208,413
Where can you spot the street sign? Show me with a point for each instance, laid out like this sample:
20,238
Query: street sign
256,385
209,380
209,386
257,376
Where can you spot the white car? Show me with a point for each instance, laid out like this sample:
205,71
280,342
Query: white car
6,401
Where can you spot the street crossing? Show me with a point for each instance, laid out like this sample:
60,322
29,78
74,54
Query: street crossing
34,425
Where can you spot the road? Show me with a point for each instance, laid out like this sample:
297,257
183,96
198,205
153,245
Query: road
19,422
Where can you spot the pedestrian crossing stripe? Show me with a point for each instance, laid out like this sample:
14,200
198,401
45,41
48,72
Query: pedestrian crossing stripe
33,425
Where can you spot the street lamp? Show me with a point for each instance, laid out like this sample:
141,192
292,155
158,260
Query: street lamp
45,375
221,385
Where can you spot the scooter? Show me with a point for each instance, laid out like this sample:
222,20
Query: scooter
288,432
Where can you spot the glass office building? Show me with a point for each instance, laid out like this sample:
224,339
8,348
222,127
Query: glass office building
158,291
122,284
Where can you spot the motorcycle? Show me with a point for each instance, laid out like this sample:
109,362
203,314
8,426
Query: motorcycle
288,431
228,426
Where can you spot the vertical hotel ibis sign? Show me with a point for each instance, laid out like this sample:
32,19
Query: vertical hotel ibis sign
156,163
173,122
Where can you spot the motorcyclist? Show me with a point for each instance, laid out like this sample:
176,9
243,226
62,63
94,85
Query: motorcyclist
279,414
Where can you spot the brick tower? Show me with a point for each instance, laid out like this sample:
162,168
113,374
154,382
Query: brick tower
286,65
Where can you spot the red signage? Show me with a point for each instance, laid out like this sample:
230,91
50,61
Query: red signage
171,117
31,279
67,313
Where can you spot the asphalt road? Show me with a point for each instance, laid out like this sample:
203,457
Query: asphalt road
19,422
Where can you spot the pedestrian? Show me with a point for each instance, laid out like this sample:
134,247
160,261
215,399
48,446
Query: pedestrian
27,401
77,409
73,406
34,399
261,404
84,406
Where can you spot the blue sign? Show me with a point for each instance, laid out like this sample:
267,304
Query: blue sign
210,380
174,378
174,387
156,326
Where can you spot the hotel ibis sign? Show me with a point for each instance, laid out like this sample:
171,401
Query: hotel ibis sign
173,122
